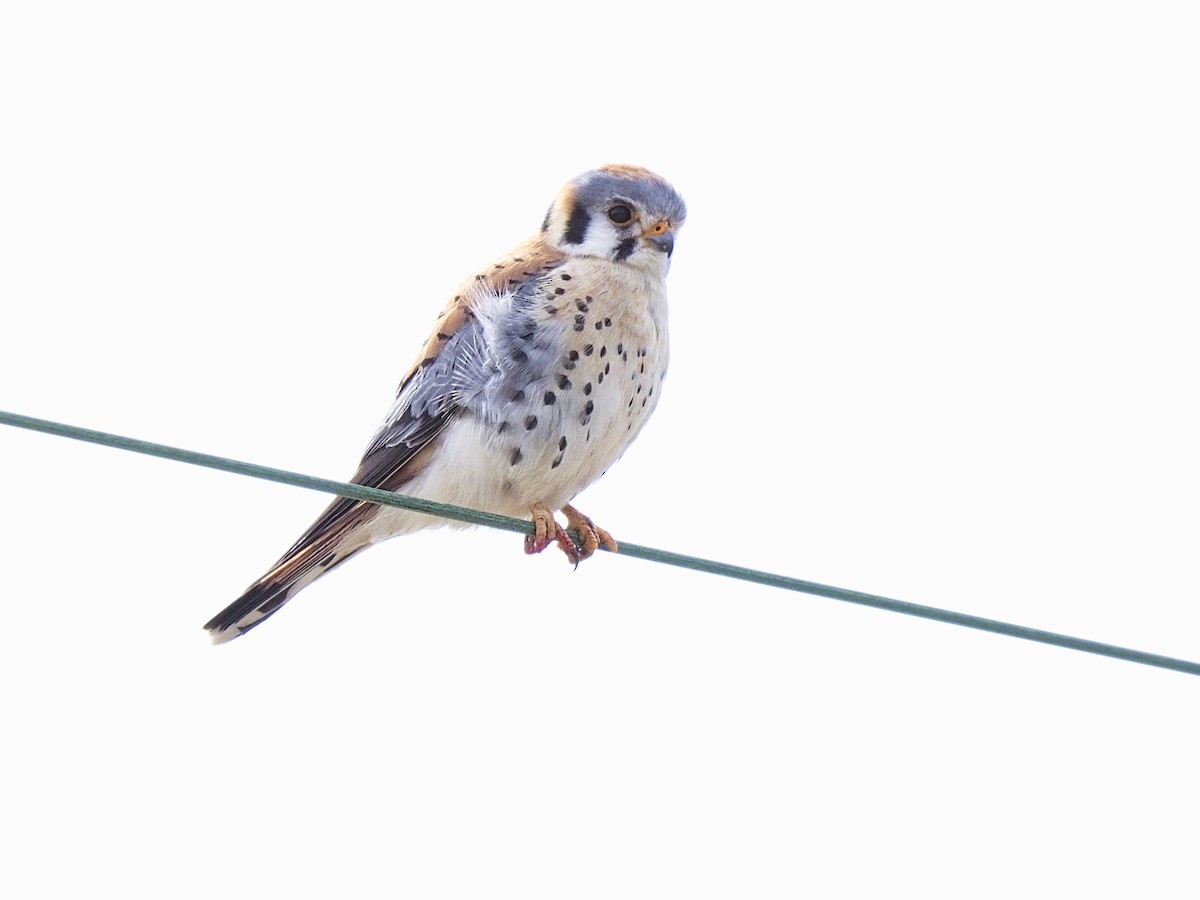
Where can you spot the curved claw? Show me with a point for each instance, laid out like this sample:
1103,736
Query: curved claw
546,531
591,534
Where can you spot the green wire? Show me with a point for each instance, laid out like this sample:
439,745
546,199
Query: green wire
387,498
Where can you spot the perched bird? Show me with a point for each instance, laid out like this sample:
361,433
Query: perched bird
538,374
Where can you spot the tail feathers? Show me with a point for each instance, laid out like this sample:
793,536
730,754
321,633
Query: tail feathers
298,569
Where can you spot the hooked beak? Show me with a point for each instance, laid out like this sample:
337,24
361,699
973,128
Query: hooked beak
662,237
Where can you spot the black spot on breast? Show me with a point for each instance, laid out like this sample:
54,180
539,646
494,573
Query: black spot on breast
548,398
577,224
599,325
518,396
560,291
588,407
625,249
581,306
502,427
607,366
607,322
600,378
551,309
557,461
565,277
604,351
587,388
562,442
579,320
564,383
519,356
588,348
516,456
530,423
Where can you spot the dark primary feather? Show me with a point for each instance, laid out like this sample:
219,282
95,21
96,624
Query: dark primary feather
450,376
425,403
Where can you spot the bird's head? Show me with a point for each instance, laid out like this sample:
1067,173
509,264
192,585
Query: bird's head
622,213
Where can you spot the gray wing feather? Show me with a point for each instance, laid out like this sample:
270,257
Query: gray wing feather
505,348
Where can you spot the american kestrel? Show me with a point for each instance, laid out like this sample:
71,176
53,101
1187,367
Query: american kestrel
538,374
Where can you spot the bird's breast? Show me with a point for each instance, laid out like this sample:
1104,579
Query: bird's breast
578,382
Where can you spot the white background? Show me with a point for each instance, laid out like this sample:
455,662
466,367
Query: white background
933,318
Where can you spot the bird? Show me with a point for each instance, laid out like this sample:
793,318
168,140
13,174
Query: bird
537,376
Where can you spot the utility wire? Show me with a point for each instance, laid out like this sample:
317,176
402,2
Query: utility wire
388,498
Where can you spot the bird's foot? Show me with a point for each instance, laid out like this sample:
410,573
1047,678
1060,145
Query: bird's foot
591,534
546,531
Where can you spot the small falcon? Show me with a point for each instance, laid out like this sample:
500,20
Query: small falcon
539,373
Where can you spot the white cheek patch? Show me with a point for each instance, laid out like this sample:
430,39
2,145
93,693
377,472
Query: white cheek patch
600,240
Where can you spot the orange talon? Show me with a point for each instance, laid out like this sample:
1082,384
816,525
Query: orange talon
591,535
546,531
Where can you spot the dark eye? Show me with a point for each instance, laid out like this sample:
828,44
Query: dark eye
621,214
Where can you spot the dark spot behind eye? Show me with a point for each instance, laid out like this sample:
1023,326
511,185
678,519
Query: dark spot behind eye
577,224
